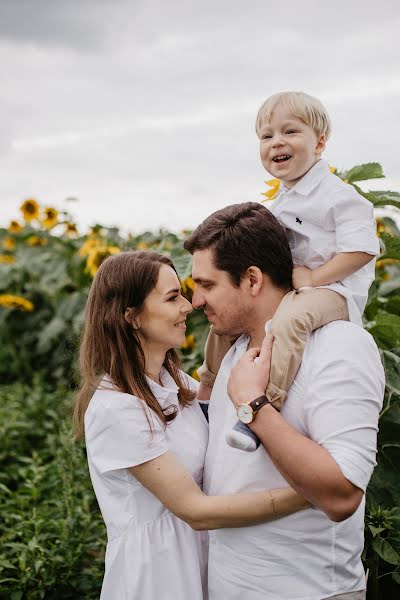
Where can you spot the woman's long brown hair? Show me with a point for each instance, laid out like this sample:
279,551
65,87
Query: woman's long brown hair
109,343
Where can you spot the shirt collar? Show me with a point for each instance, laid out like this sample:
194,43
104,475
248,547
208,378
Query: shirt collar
167,393
310,180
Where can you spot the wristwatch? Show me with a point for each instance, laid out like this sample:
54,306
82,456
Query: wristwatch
247,412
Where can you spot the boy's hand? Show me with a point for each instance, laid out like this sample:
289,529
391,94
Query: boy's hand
250,376
302,277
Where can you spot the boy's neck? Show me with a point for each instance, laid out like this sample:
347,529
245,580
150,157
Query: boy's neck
289,186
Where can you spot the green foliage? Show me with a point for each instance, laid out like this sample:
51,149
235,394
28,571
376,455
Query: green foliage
52,537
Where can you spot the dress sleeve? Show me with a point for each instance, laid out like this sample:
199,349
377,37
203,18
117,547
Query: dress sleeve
345,390
118,433
354,222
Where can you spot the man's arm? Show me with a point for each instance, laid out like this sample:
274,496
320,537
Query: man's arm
306,466
343,401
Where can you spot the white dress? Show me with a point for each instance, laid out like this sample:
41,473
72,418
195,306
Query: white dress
151,554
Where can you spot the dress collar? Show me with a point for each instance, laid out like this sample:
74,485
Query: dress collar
167,393
310,180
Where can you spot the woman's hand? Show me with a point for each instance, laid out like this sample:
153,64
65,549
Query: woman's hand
250,376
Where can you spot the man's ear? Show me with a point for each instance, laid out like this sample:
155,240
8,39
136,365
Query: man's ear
130,317
255,279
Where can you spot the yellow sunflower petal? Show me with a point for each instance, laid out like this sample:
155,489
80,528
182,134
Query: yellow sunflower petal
9,244
14,227
10,301
50,218
30,209
97,256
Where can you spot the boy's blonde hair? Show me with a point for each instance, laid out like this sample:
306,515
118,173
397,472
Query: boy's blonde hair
303,106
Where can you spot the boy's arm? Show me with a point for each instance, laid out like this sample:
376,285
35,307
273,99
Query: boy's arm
340,266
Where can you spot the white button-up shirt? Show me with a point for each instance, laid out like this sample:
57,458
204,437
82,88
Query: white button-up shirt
323,216
335,401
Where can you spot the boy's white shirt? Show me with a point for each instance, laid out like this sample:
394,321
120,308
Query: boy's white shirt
323,216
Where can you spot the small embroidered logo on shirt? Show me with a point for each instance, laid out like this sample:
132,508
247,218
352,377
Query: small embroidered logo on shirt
298,220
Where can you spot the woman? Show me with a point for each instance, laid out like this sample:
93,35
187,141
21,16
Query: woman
146,437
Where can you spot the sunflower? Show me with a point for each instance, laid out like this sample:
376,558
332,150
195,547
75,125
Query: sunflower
90,244
380,227
380,264
9,244
71,229
35,240
30,210
141,246
14,227
188,284
97,256
6,259
272,193
189,343
332,169
9,301
195,375
50,219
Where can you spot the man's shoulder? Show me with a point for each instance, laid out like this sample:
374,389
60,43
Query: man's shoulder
341,340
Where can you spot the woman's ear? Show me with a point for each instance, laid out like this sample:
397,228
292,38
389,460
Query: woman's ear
130,317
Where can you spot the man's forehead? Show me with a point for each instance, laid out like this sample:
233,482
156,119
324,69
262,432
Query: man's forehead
203,267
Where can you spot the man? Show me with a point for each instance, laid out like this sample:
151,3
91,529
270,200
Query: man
323,443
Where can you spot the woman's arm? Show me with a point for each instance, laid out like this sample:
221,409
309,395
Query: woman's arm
174,487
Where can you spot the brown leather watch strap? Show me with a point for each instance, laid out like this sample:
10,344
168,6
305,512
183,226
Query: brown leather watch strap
259,403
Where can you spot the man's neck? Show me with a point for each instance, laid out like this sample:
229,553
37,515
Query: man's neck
265,314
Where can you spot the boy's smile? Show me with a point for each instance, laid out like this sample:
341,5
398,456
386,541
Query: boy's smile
289,147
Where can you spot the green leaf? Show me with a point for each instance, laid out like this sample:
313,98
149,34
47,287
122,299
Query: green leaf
396,577
363,172
51,333
386,551
383,198
392,305
392,246
375,530
386,330
392,371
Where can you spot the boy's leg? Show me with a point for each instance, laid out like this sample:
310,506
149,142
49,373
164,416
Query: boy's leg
297,316
216,348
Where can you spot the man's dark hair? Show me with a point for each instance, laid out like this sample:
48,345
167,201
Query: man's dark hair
244,235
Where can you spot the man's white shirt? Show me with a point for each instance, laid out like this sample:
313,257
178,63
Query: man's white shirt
335,401
324,216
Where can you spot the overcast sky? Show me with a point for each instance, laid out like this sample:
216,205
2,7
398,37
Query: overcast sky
144,110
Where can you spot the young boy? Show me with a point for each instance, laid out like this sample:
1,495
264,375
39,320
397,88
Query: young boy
332,236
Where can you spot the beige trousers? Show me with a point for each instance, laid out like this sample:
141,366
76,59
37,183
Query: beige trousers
297,316
349,596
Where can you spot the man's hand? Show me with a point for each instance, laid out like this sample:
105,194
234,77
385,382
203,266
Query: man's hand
250,376
302,277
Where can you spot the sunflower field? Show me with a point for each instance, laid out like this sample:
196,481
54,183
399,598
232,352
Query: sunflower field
52,538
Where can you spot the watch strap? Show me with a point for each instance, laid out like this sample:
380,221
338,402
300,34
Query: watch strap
259,403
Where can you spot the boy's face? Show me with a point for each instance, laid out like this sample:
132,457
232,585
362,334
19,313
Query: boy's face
289,147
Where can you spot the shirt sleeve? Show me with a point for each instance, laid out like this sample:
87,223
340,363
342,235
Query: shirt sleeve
345,390
118,433
354,223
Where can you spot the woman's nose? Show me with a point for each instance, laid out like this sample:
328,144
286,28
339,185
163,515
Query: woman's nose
186,307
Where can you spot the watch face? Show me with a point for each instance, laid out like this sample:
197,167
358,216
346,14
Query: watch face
245,413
